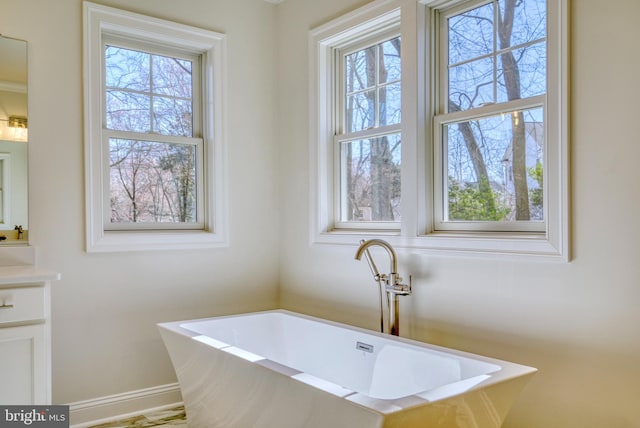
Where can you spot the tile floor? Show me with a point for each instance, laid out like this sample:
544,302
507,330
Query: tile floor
169,417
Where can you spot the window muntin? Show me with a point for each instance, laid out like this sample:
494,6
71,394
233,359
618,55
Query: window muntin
151,131
489,133
369,147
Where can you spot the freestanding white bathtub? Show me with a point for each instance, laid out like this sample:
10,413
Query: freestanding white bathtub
279,369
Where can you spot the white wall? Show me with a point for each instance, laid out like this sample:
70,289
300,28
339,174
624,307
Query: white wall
106,305
579,322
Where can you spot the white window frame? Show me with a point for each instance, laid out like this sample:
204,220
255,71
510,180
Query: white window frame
104,23
417,231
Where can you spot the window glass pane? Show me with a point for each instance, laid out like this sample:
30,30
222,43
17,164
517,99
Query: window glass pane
371,179
494,167
378,68
528,20
361,111
152,182
471,84
140,86
390,61
172,116
522,73
360,70
128,111
127,69
483,68
172,77
471,34
389,97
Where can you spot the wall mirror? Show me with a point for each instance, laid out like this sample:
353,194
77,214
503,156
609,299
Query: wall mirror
14,227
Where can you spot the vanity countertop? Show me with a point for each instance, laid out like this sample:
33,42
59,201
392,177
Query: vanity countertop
24,274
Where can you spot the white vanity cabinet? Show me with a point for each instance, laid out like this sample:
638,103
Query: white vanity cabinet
25,335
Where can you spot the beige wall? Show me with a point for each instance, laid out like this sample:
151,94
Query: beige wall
106,305
579,323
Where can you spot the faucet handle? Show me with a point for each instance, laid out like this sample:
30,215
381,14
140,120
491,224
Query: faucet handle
400,288
407,289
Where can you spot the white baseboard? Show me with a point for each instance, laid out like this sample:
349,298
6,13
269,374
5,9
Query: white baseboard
120,406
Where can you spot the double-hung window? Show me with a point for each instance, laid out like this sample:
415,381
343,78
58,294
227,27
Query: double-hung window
473,118
358,121
367,141
499,136
489,132
154,133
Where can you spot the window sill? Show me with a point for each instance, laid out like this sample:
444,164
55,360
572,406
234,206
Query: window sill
525,245
112,241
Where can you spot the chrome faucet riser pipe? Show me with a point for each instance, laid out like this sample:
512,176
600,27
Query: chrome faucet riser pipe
394,314
379,280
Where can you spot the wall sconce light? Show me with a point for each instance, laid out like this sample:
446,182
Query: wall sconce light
15,129
17,122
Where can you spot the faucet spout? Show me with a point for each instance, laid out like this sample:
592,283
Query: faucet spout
393,260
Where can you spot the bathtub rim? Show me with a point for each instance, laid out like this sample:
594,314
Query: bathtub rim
508,370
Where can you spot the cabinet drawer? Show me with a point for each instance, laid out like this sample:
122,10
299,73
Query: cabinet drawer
21,304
